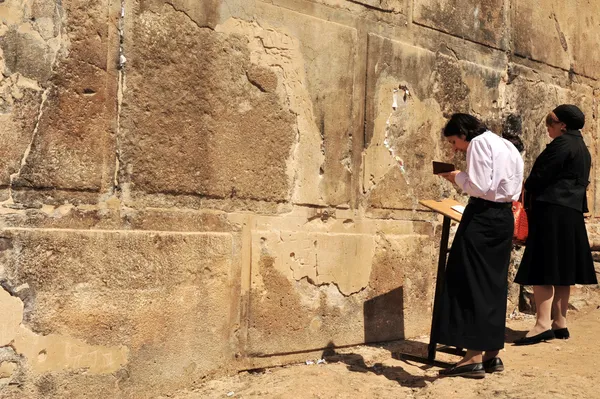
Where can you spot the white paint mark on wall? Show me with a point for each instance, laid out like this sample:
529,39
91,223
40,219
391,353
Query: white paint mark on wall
386,142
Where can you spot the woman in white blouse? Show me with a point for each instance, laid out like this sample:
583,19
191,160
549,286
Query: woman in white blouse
473,309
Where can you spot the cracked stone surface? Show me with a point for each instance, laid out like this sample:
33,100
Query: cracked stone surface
193,188
559,37
480,21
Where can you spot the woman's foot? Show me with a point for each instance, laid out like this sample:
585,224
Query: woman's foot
538,329
536,339
471,370
493,365
561,333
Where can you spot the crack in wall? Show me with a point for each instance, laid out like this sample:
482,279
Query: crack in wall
25,157
561,35
117,189
332,283
189,17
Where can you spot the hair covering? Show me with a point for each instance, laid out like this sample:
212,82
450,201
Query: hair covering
570,115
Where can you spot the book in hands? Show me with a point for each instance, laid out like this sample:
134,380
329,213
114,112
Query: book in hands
441,167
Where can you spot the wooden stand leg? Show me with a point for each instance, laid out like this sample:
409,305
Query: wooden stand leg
439,287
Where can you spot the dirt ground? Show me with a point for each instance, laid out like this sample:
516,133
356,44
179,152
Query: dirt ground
556,369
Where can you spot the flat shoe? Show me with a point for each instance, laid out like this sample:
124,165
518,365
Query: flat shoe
474,370
562,333
536,339
493,365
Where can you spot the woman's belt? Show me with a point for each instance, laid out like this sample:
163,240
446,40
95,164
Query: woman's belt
488,204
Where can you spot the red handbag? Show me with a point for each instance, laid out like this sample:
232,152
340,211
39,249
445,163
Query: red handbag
521,224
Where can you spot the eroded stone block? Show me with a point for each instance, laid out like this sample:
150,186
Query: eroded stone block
479,21
276,124
162,303
57,353
59,260
294,305
438,85
212,132
561,35
70,149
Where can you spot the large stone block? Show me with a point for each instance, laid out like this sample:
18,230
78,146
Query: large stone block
70,145
275,125
532,98
559,33
411,124
28,54
168,303
479,21
62,259
304,289
214,127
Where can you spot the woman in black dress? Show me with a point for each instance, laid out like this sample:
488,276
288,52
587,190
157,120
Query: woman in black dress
557,253
473,306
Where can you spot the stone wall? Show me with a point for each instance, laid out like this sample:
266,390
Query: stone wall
197,187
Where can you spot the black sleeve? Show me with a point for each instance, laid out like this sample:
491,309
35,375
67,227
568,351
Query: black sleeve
547,166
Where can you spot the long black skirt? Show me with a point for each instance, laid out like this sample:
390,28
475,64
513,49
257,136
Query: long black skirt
473,308
557,250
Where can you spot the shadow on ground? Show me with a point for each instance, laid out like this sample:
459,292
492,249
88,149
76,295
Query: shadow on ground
356,362
511,335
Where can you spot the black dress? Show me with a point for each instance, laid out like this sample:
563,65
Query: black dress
557,249
473,305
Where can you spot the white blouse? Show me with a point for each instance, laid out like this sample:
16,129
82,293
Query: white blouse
494,169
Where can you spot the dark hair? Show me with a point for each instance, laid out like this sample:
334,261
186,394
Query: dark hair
512,129
551,119
464,125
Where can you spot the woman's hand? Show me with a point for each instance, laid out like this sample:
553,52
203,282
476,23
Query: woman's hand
450,176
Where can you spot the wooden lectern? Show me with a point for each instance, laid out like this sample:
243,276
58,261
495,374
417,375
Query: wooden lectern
443,207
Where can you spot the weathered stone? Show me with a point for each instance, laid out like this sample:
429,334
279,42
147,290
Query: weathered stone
63,259
318,159
532,97
559,35
112,300
322,259
17,127
287,295
78,107
221,197
221,137
11,309
479,21
7,369
438,85
407,264
29,56
52,352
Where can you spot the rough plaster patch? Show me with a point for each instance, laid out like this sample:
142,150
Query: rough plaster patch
7,369
343,260
11,314
280,52
52,352
55,352
396,125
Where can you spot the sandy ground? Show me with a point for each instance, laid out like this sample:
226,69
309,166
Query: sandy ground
556,369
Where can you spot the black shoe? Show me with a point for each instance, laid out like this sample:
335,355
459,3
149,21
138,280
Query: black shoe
474,370
562,333
493,365
536,339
